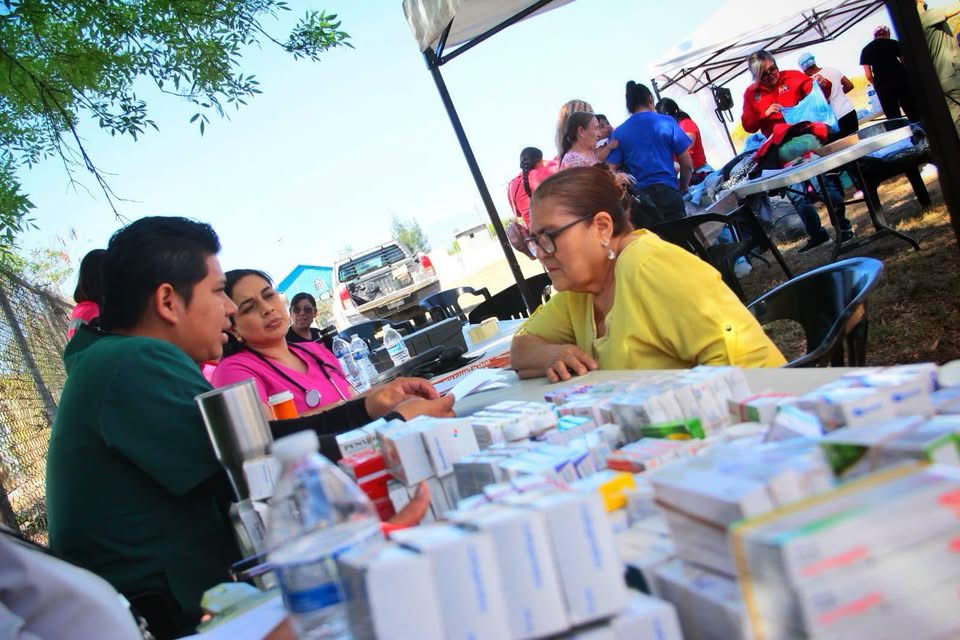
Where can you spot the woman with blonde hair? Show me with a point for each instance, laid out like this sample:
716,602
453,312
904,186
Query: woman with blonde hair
579,144
569,108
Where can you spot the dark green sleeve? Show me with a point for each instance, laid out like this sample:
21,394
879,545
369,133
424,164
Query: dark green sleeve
150,418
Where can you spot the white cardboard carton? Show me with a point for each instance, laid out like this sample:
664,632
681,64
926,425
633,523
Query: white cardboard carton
532,587
465,571
405,454
584,551
377,608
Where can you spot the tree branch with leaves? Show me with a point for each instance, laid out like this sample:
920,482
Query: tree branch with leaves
65,60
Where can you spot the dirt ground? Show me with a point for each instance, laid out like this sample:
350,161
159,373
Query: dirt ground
915,312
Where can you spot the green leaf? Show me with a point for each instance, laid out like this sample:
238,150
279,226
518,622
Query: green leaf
64,61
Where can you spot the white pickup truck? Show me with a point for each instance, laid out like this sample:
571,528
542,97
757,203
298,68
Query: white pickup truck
384,282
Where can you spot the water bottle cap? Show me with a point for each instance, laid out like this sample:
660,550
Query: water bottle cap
295,446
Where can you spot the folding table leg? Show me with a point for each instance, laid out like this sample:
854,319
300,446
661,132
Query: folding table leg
768,243
876,214
832,212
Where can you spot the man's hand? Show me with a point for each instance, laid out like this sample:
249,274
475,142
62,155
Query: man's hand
570,361
437,407
413,512
387,398
774,108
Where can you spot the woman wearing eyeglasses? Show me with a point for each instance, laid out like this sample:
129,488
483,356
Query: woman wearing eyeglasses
303,311
307,369
771,91
626,299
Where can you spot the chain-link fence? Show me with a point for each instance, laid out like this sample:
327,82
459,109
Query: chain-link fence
33,327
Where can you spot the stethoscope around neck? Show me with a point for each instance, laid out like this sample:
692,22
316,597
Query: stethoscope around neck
311,396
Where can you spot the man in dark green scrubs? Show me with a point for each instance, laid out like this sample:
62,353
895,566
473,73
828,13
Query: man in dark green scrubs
134,492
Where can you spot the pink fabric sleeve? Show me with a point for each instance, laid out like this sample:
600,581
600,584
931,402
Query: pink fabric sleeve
233,369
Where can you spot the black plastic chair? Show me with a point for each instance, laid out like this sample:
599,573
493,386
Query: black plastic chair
508,304
830,304
723,256
446,304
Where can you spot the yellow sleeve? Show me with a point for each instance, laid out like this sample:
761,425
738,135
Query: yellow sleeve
552,321
694,314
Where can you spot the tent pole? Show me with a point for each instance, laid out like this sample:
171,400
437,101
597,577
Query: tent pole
431,59
656,89
726,129
925,86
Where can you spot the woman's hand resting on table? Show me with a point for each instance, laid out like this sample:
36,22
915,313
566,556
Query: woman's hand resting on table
533,357
569,361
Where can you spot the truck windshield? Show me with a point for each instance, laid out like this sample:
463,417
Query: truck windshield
382,257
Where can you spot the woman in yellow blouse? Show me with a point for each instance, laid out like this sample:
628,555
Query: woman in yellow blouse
626,299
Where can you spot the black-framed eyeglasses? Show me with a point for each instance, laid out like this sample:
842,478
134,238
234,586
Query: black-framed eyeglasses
546,241
303,309
769,71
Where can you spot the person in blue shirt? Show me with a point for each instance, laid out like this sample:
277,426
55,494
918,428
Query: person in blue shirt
648,142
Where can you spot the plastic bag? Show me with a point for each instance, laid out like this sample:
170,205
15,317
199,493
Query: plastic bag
813,108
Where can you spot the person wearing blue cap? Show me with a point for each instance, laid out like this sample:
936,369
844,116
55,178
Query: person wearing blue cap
835,87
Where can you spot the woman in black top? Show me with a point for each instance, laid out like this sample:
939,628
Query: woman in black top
303,311
882,63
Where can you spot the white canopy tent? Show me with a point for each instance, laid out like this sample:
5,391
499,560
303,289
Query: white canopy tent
466,20
463,24
703,60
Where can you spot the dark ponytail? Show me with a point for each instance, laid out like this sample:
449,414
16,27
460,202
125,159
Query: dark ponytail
638,95
670,108
529,158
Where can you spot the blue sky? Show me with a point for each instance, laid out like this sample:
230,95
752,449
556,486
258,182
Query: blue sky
332,150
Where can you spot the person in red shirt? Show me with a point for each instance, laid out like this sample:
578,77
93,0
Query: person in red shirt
701,167
771,91
533,171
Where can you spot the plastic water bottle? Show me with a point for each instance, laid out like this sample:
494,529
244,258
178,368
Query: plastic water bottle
873,102
361,356
395,346
316,514
341,349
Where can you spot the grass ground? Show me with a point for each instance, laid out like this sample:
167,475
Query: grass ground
915,312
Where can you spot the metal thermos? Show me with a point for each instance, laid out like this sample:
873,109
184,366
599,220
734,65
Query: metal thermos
237,428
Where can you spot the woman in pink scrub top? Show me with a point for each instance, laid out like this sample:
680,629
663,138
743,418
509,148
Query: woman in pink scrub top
307,369
88,292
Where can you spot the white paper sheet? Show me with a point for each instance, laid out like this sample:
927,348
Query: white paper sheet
473,382
250,625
